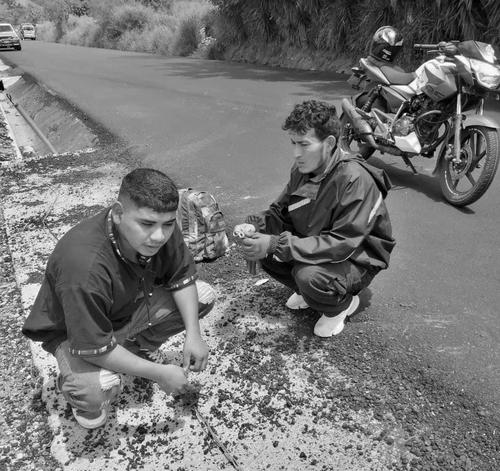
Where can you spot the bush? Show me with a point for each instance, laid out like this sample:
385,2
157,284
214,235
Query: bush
187,37
162,38
158,4
182,9
46,31
80,30
162,27
128,19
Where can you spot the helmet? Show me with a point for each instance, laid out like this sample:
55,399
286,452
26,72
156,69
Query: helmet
386,43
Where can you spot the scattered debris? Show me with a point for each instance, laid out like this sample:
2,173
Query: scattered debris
261,281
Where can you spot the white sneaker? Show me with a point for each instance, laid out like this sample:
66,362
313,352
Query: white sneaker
296,301
91,420
328,326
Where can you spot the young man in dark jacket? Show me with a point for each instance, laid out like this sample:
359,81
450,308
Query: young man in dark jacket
328,233
117,285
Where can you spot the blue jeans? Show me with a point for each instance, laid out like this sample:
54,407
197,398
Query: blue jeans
89,387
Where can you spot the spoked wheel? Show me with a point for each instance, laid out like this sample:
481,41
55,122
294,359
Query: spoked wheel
349,144
466,181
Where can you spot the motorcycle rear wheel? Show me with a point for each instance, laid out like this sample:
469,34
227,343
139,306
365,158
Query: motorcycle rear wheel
465,182
347,142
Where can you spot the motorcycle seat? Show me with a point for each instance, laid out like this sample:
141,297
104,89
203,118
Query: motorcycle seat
397,77
393,73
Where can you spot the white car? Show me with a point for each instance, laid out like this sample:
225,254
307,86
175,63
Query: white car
8,37
27,31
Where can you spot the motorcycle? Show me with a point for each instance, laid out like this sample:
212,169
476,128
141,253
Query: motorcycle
436,110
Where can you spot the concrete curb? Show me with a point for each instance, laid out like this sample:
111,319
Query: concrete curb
11,134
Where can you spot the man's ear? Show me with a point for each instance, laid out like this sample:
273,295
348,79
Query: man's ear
330,142
117,212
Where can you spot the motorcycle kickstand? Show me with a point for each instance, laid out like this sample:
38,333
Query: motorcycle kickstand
408,162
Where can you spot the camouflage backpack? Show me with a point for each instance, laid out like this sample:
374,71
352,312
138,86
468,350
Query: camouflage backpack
202,224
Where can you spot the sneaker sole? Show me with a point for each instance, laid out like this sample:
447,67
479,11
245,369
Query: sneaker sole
349,312
299,307
91,423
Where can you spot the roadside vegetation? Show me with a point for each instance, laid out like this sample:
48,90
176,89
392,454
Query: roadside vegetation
316,33
170,27
310,34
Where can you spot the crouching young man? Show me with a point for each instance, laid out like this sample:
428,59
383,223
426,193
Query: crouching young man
117,285
328,233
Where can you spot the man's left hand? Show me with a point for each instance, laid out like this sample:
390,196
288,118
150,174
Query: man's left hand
256,247
195,353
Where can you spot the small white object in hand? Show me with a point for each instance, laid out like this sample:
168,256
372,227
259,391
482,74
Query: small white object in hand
244,230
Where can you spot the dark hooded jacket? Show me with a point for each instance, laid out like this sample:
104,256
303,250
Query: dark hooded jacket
336,216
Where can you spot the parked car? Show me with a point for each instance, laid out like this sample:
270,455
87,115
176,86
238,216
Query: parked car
27,31
8,37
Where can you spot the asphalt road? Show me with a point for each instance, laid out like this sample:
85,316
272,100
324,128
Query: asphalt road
216,126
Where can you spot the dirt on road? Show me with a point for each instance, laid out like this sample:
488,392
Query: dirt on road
277,397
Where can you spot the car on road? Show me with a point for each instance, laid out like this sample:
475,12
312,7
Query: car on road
8,37
27,31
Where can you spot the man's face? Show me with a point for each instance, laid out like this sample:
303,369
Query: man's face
142,230
311,154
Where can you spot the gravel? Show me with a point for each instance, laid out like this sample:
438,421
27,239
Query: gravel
26,437
374,403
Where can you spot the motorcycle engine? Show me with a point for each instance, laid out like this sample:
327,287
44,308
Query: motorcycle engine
403,126
428,116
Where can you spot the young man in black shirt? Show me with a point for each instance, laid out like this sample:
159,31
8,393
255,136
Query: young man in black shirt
117,285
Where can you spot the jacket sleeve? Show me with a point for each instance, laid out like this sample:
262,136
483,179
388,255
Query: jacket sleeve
276,219
352,220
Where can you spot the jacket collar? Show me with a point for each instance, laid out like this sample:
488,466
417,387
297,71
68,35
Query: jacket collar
310,187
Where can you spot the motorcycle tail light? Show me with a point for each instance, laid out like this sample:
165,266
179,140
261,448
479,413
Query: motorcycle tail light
487,75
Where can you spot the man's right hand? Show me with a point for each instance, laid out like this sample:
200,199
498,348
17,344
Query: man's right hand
172,379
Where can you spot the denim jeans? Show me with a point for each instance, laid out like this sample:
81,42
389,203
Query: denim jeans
89,387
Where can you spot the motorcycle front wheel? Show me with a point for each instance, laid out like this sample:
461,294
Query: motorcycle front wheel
464,182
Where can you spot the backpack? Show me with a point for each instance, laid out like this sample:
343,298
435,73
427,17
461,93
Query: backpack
202,224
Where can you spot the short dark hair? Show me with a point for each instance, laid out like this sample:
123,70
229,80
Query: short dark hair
313,114
150,188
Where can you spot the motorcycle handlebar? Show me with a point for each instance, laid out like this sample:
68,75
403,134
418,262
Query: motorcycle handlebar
447,48
426,46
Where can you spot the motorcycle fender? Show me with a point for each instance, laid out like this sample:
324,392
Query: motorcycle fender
481,120
440,157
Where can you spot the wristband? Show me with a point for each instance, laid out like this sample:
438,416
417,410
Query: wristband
273,244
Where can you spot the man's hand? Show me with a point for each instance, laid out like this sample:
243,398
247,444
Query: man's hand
172,379
195,353
256,247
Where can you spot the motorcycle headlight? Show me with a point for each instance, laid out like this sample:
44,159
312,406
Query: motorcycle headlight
487,52
487,75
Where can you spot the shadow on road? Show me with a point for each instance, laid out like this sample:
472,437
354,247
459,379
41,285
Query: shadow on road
403,178
319,83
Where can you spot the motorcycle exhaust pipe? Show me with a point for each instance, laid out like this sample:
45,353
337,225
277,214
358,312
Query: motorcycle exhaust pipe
364,129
